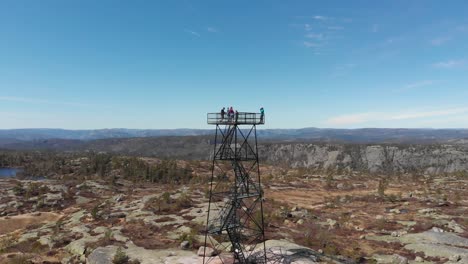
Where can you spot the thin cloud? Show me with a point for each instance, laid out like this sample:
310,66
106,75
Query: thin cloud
212,29
315,36
415,85
342,69
444,112
351,119
440,41
363,118
319,31
310,44
449,64
194,33
335,28
320,17
40,101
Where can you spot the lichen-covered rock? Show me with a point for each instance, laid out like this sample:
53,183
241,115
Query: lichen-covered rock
397,259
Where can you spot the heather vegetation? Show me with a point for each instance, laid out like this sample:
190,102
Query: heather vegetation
133,209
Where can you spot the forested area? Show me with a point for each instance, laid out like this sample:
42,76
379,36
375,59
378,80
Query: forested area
102,165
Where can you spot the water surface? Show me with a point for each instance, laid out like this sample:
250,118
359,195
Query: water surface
9,172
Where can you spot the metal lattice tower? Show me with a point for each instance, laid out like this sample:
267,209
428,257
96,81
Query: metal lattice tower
235,224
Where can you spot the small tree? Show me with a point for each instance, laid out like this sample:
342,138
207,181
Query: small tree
120,257
383,184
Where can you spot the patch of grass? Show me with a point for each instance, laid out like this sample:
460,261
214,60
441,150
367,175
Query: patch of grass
165,203
19,190
316,236
108,235
19,259
421,226
184,201
329,181
6,242
190,237
36,189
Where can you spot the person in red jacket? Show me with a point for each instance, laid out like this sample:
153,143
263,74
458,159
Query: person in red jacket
231,114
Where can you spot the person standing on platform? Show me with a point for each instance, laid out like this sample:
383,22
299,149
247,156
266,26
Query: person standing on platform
231,114
237,116
262,114
222,114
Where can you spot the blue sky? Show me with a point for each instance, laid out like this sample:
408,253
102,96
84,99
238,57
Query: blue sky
165,64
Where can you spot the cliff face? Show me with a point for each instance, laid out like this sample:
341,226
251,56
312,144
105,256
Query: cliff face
370,158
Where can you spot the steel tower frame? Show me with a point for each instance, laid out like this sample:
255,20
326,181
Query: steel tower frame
235,223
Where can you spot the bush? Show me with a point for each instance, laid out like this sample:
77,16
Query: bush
108,235
6,242
35,189
183,201
190,237
19,190
95,212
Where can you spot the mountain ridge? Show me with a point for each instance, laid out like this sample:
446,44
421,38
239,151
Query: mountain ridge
358,135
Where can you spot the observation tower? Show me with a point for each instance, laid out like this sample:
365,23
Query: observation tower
235,224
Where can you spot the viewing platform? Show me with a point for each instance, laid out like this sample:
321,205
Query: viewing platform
241,118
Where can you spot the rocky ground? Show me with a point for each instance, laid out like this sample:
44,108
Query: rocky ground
310,218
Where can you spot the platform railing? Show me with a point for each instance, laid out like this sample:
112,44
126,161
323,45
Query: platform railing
241,118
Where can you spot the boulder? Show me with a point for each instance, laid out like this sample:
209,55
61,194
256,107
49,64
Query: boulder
397,259
437,230
185,245
427,211
455,227
332,223
207,251
117,215
28,236
102,255
119,198
82,200
53,198
455,258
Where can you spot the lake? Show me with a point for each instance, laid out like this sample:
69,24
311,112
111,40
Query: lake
9,172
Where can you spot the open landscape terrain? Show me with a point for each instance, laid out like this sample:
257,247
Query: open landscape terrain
99,207
233,132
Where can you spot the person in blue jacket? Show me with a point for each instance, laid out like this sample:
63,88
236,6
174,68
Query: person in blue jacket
262,114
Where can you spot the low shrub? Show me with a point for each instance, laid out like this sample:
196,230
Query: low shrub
120,257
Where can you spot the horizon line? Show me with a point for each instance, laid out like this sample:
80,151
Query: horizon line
323,128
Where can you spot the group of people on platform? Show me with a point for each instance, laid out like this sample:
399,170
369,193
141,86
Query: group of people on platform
234,115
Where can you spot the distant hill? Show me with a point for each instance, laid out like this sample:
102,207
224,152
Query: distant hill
364,135
367,157
50,133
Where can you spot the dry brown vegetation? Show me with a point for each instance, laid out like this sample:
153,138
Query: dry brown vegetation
328,211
